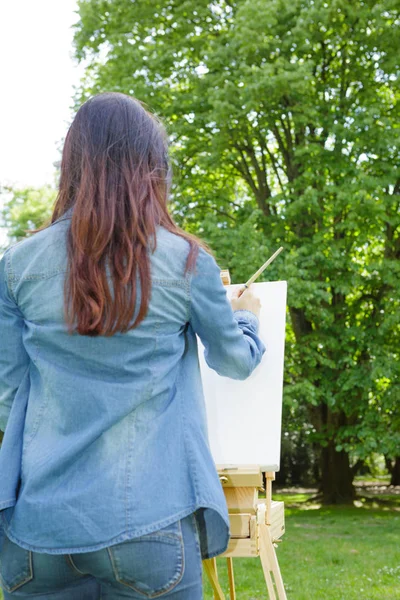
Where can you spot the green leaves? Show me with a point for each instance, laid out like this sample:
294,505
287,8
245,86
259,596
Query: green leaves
26,208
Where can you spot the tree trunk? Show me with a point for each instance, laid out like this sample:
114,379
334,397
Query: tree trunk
394,470
336,476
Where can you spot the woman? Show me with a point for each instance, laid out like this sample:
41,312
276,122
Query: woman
117,495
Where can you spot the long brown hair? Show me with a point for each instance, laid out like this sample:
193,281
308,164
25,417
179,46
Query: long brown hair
115,178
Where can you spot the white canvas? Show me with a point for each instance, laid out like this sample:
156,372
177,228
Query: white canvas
244,417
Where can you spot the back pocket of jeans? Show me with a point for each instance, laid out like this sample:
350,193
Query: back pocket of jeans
15,566
151,564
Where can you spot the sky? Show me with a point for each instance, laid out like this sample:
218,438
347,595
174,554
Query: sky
37,75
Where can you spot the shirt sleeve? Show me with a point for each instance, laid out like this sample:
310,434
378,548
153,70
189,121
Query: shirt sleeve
230,338
14,359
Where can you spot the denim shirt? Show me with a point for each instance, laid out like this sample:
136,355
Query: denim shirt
106,437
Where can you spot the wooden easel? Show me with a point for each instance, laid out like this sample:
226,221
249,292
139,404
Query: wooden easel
256,524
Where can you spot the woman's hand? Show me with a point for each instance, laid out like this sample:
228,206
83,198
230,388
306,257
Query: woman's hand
246,300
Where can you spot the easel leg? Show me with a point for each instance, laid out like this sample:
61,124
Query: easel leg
232,591
270,564
267,574
210,566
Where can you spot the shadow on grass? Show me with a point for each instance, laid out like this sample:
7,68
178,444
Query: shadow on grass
385,498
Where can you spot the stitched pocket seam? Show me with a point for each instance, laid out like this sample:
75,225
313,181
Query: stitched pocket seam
74,565
27,578
164,590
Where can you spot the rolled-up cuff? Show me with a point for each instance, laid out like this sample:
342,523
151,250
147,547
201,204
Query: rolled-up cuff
248,316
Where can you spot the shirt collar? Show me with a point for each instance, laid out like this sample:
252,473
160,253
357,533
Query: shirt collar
66,215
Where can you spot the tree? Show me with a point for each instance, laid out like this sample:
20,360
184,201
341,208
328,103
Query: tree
394,469
287,110
26,208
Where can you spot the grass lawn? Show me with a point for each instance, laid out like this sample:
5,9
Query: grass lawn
329,553
332,553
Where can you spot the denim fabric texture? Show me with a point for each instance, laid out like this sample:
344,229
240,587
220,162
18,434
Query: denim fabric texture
166,563
106,437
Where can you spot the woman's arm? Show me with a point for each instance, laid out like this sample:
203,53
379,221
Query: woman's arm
232,346
14,359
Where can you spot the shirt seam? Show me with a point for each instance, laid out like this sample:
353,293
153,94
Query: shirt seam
53,272
10,275
188,296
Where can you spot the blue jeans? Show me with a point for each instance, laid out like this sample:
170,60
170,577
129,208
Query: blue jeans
163,564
